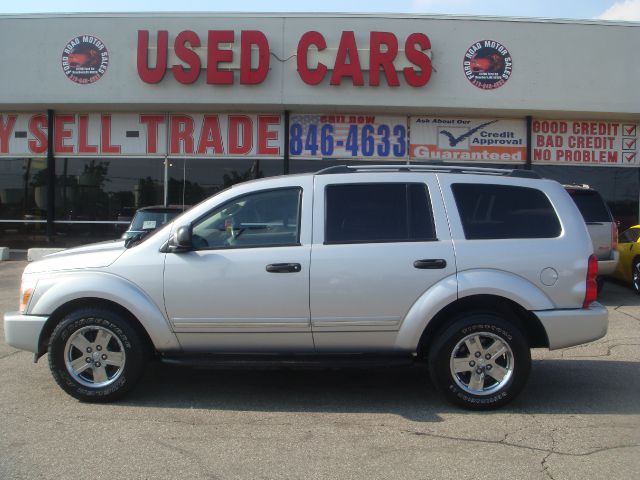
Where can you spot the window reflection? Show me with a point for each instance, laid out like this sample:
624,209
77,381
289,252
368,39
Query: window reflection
191,180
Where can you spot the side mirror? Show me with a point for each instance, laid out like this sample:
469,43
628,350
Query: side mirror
180,241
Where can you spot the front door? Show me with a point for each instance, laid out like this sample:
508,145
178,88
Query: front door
245,286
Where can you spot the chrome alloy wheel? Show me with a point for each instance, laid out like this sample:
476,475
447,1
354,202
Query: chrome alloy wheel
481,363
635,281
94,356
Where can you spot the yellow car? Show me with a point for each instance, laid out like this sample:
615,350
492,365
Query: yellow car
628,268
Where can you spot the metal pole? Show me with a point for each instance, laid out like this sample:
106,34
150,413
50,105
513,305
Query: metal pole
286,142
528,160
51,176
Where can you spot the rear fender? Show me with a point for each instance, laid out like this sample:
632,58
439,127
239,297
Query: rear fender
465,284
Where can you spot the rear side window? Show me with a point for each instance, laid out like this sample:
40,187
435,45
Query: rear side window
504,211
591,205
378,212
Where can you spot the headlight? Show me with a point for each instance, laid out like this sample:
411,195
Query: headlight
26,290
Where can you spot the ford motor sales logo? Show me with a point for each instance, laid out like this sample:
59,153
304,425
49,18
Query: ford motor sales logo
487,64
85,59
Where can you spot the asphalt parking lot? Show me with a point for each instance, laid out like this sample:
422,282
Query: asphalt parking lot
579,417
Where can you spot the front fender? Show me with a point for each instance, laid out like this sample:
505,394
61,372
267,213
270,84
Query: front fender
55,291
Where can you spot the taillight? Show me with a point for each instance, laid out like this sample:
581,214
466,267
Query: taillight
614,235
591,294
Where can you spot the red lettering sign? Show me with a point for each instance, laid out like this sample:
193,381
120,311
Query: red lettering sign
240,134
210,137
316,75
181,135
61,133
188,56
265,135
249,75
105,140
83,136
37,126
216,55
152,122
146,73
6,129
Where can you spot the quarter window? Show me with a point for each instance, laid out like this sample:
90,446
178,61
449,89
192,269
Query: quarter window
378,212
263,219
504,211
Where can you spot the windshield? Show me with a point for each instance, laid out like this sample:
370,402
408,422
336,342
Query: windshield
152,219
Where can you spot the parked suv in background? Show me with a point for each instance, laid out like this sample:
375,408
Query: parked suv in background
147,219
602,228
465,269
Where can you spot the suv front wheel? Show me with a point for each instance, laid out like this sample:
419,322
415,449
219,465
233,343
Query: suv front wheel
480,362
95,355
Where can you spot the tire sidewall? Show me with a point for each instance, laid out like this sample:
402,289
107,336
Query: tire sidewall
134,358
442,348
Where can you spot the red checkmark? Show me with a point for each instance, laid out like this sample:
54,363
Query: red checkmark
629,129
629,143
629,157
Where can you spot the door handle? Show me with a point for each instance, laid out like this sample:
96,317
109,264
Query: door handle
430,263
284,267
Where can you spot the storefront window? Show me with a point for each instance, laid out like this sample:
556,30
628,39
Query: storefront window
23,197
619,187
191,180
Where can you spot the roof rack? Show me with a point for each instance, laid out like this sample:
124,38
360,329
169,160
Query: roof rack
429,168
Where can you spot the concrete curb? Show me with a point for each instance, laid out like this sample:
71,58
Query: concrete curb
4,253
34,254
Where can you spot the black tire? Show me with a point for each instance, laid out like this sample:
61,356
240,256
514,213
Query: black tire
115,367
449,352
635,276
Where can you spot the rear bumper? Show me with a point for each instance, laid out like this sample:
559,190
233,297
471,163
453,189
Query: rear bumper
566,328
607,267
23,331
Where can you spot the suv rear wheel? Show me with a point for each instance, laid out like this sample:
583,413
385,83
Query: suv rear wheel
95,355
480,362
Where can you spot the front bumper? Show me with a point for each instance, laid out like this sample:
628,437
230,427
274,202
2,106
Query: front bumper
23,331
566,328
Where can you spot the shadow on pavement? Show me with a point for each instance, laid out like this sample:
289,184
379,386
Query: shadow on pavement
555,387
616,293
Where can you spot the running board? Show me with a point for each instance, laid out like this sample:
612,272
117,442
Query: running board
257,361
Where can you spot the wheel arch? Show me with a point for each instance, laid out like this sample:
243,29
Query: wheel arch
90,302
55,296
507,309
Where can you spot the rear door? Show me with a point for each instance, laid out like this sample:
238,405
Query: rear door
377,247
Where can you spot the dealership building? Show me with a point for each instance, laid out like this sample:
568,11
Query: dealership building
101,114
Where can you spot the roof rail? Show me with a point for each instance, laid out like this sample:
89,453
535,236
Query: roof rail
429,168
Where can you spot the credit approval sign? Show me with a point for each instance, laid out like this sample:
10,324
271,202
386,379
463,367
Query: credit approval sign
473,140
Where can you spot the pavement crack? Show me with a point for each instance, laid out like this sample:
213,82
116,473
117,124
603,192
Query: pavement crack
617,309
191,456
548,451
545,466
9,354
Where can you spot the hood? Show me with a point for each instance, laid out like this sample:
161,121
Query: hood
95,255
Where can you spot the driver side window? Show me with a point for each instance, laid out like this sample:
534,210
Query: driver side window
264,219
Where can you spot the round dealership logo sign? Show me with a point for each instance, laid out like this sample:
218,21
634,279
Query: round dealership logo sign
487,64
85,59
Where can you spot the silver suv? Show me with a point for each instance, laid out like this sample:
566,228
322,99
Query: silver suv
464,269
